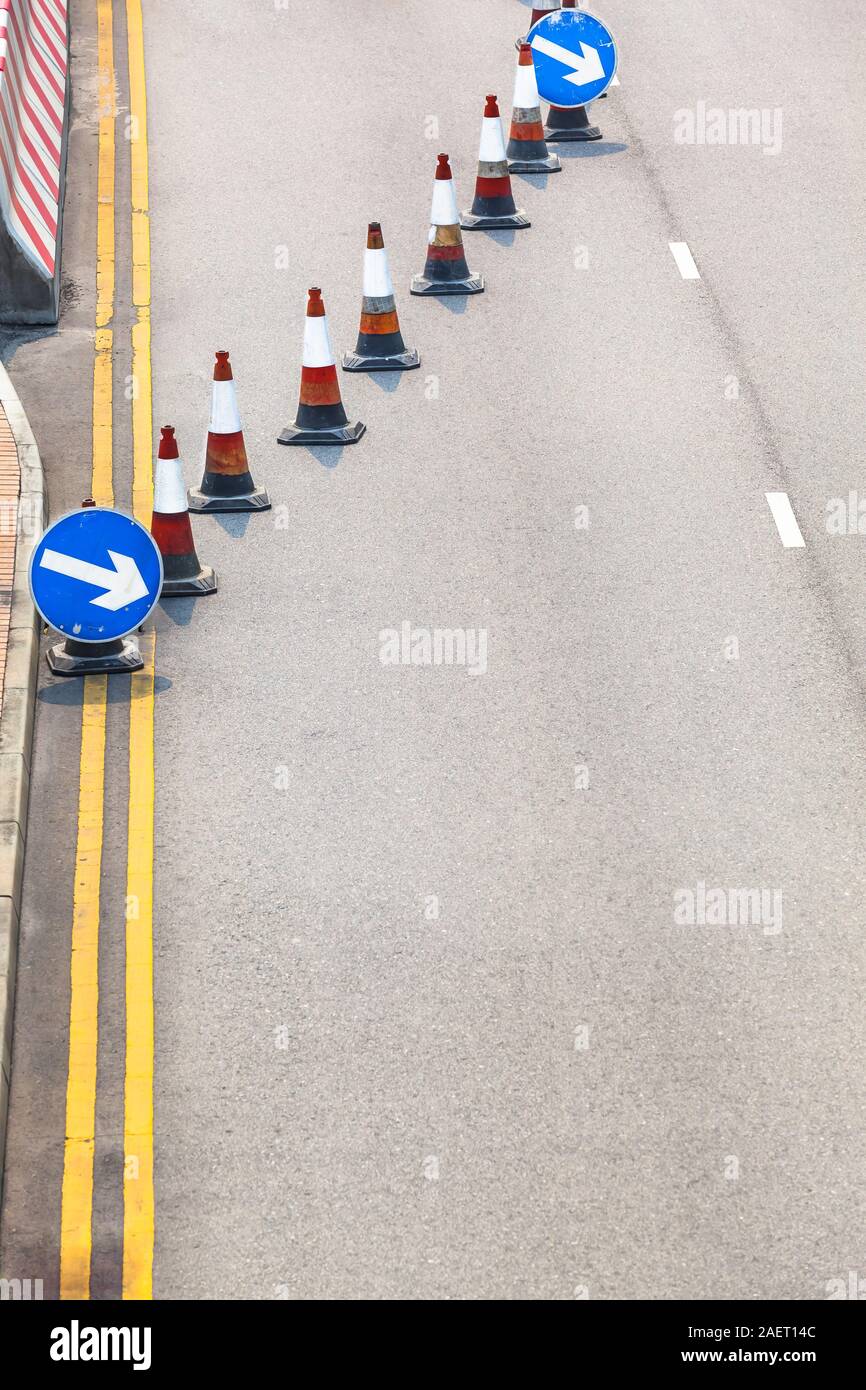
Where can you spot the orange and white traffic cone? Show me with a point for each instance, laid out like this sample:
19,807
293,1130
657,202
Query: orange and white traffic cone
494,204
526,150
538,12
570,122
380,346
321,418
445,270
170,526
227,485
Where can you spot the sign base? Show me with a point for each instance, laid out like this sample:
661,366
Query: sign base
400,362
205,582
482,222
421,285
550,165
71,658
339,434
199,501
569,123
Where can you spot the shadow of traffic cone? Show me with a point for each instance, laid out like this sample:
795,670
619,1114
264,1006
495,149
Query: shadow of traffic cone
445,270
171,529
227,485
526,151
380,346
321,418
494,202
570,122
538,12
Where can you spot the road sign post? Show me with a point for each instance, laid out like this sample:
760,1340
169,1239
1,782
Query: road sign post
575,61
575,57
95,576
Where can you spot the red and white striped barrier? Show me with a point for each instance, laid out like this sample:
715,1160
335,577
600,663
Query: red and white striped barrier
34,73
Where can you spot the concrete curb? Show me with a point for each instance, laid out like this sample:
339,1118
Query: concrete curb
16,724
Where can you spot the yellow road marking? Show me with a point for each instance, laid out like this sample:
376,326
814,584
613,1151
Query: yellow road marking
76,1210
77,1199
138,1202
142,409
138,1213
102,483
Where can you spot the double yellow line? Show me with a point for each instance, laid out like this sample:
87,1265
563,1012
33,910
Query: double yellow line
77,1198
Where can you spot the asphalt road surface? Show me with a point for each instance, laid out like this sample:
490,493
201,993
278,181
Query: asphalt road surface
430,1021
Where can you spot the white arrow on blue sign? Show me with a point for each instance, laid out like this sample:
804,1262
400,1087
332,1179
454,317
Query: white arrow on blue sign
96,574
574,56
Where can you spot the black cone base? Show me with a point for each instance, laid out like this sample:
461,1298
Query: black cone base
399,362
473,284
71,658
199,501
550,165
205,582
587,132
339,434
470,222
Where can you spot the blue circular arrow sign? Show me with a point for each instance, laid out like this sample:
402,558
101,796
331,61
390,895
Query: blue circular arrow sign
96,574
574,56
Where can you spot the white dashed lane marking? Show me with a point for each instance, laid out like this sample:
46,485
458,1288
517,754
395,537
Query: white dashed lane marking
786,522
685,260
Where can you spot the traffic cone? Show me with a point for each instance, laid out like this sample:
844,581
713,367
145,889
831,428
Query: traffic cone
538,12
494,202
380,346
171,529
526,151
321,418
570,122
445,271
227,485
